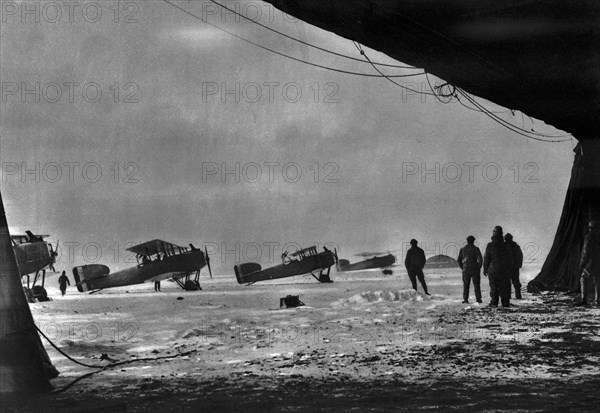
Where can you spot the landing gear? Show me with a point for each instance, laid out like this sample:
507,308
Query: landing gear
323,277
192,285
189,284
37,292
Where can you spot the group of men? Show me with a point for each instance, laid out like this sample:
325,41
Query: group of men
501,262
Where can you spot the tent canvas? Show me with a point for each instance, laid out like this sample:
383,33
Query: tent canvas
24,364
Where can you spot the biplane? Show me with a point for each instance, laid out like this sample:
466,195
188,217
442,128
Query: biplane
376,260
157,260
305,261
34,255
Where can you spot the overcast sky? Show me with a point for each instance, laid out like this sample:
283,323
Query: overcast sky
182,102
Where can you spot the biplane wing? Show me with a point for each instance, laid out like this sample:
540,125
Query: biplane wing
28,237
370,254
15,236
168,275
156,246
375,262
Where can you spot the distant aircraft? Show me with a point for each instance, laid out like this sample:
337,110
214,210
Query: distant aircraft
34,255
178,263
377,260
305,261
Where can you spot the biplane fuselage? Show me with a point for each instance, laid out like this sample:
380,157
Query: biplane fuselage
375,262
308,261
180,263
32,253
32,257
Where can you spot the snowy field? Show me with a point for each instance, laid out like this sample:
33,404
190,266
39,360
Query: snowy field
367,341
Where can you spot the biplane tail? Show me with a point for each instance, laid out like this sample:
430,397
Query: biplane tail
85,276
243,272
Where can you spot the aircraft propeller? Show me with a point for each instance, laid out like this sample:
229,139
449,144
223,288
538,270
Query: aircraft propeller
207,261
53,255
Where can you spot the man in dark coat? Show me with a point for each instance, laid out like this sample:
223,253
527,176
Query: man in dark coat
470,262
63,281
497,263
414,263
517,255
589,266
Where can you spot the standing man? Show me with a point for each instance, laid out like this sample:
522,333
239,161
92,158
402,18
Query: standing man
63,281
470,262
157,286
589,266
497,263
414,263
517,256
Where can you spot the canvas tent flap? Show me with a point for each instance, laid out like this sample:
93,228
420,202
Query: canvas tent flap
536,56
582,203
24,363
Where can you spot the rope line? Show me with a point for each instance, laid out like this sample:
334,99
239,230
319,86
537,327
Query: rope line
103,367
310,44
348,72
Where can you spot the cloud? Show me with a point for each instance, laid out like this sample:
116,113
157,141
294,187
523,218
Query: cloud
372,129
198,37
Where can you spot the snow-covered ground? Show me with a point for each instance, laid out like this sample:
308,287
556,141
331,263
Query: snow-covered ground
360,331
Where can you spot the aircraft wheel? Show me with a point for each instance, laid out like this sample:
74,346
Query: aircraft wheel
40,293
191,285
324,278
